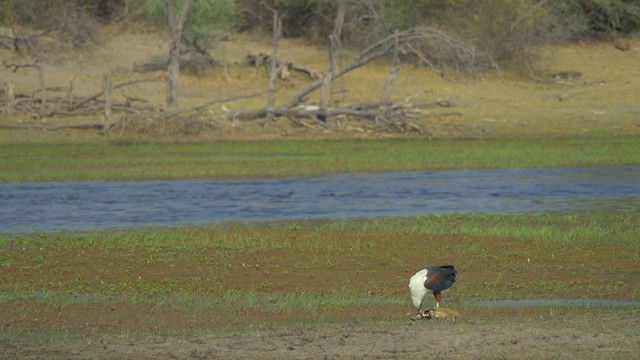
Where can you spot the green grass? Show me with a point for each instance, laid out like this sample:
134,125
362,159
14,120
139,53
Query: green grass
151,262
552,229
24,161
231,279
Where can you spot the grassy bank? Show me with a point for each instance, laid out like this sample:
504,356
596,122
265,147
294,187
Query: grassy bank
208,277
266,159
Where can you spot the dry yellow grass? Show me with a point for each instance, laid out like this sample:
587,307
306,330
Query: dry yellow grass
603,101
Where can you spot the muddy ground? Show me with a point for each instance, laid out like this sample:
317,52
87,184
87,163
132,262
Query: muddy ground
534,333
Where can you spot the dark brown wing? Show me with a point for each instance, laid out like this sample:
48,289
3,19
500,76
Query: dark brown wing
440,278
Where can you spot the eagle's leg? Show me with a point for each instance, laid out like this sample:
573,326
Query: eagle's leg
438,296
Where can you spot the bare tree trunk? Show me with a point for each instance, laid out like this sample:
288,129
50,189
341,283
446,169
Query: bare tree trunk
108,100
69,14
334,46
70,93
43,87
277,31
327,78
173,71
390,80
10,99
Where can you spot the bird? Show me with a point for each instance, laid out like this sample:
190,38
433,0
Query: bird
433,279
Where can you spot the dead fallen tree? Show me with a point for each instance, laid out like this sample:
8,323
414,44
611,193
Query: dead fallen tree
401,42
396,116
48,102
94,98
100,102
70,105
389,111
385,113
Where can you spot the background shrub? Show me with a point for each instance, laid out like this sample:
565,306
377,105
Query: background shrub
507,30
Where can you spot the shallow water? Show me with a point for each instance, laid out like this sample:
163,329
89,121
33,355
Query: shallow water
26,207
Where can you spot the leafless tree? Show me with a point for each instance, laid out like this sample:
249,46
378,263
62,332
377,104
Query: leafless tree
277,34
334,47
175,23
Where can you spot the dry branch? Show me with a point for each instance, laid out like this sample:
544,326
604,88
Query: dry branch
273,73
38,66
260,59
215,101
54,127
437,114
101,93
21,44
17,66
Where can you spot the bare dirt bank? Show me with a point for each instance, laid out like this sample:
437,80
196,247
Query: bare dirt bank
538,333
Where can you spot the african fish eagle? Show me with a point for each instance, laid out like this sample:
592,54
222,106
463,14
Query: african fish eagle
433,279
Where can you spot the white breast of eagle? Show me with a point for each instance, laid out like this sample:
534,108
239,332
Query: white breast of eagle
416,286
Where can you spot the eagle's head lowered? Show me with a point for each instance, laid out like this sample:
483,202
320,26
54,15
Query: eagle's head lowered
433,279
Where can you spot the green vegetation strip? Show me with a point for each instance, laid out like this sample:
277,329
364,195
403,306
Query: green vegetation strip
230,279
22,161
309,266
249,301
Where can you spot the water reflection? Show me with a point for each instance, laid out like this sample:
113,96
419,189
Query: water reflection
90,205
